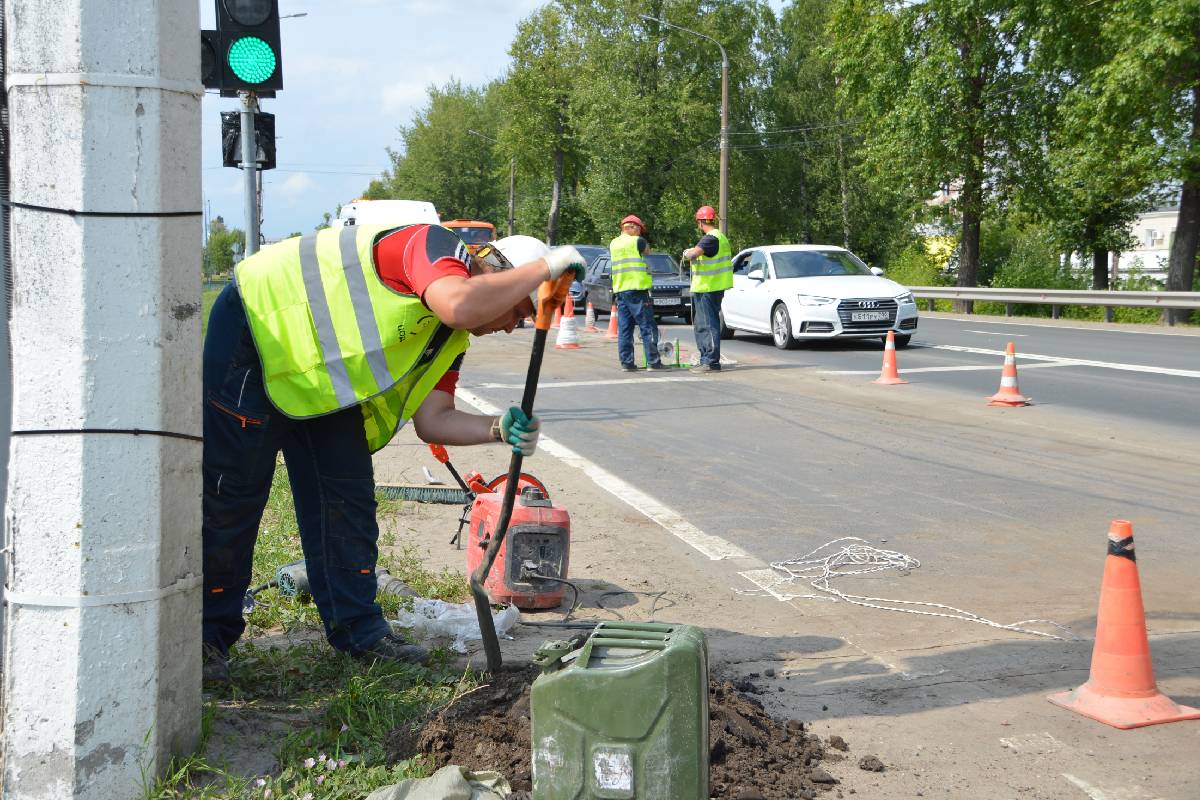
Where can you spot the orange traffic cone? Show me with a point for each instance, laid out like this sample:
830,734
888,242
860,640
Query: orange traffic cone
612,325
589,319
557,317
568,339
1120,690
888,374
1009,395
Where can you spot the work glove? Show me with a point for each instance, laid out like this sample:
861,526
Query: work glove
519,430
684,255
561,259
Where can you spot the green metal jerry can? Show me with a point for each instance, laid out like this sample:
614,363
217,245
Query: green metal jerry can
623,716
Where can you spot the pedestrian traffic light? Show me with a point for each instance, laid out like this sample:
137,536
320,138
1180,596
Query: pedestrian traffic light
264,139
249,38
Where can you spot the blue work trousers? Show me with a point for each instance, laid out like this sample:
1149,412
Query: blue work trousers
634,307
332,481
706,322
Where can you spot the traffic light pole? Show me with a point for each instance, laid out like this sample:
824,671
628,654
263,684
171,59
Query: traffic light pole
250,170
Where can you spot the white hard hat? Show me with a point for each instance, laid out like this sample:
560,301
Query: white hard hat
517,250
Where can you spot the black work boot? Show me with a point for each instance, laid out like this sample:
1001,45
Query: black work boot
214,668
394,648
659,365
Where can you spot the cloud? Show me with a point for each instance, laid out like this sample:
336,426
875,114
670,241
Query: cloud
330,67
295,187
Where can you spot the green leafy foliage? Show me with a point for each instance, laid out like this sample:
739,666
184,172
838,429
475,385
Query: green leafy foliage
219,250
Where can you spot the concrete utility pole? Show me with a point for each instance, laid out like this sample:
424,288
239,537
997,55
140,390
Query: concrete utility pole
102,658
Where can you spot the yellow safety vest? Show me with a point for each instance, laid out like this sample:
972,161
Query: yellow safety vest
629,268
714,274
331,334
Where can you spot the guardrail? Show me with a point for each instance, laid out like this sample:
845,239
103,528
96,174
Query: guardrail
1057,298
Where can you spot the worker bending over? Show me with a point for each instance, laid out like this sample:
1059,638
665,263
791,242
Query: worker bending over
323,348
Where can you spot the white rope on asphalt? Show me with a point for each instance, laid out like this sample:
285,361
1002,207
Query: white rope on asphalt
856,557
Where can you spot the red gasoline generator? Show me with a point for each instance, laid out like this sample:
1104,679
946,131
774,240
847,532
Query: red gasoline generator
531,565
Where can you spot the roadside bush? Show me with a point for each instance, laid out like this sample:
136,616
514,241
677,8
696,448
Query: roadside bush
1032,261
914,266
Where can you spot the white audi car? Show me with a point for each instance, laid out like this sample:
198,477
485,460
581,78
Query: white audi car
800,291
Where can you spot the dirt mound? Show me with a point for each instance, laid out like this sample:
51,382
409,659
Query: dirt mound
752,756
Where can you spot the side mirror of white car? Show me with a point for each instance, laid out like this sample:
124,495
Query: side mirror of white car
756,274
877,272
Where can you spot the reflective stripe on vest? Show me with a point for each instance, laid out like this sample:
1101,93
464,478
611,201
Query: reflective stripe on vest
332,335
629,268
714,274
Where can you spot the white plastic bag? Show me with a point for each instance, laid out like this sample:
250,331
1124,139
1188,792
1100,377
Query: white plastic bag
458,621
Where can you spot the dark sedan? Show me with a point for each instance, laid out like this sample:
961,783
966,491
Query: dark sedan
670,291
590,253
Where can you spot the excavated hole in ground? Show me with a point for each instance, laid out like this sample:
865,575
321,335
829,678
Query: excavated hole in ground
752,755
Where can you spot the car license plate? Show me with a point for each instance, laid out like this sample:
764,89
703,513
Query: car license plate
667,301
869,316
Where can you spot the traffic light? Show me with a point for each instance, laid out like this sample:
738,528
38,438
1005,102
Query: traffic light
231,139
211,59
251,59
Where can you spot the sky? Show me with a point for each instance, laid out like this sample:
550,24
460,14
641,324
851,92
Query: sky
354,71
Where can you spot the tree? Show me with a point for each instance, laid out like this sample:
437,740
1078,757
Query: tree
537,100
646,109
1140,106
937,87
1089,186
219,250
442,162
810,148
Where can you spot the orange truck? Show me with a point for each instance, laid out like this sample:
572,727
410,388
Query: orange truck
474,233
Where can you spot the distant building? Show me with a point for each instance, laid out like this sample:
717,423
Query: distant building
1153,233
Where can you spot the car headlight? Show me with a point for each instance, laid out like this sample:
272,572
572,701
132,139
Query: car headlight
907,297
812,300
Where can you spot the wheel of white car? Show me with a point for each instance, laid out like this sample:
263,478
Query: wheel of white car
726,332
781,327
902,339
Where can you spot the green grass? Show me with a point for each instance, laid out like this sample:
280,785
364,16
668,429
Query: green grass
206,303
342,709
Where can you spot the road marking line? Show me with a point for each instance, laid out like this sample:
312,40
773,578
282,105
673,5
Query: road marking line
994,333
967,368
1075,362
978,321
712,547
611,382
1039,744
1096,793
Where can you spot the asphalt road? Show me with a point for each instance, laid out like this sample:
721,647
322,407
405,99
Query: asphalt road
790,450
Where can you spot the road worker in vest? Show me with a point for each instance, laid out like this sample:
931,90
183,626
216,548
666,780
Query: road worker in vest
712,274
323,348
631,288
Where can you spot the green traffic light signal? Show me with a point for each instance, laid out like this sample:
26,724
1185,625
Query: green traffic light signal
252,59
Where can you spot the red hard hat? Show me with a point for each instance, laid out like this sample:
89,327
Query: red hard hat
705,213
634,219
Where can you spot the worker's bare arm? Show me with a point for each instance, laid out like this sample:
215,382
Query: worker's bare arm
466,303
437,421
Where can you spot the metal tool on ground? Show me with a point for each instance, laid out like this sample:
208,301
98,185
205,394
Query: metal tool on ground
550,296
433,492
292,581
632,702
